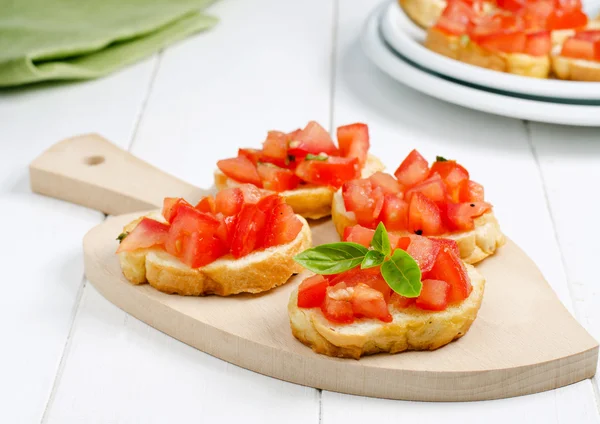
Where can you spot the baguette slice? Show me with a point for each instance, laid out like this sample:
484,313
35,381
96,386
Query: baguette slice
310,202
411,328
424,13
474,245
257,272
567,68
471,53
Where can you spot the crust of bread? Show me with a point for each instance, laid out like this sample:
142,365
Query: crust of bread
474,245
424,13
411,328
257,272
310,202
473,54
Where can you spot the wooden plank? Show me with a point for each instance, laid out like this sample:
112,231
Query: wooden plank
46,269
569,159
259,69
496,153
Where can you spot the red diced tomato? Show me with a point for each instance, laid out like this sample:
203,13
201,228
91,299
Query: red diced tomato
250,223
449,244
312,139
510,42
251,193
424,251
424,216
589,35
470,191
254,155
371,277
386,182
538,43
171,207
368,302
187,222
275,148
434,295
332,172
358,234
404,242
433,188
311,292
511,5
147,233
394,213
335,310
578,49
229,201
365,201
207,205
565,19
277,179
199,249
451,172
281,224
240,169
455,18
412,170
354,142
461,215
400,301
449,268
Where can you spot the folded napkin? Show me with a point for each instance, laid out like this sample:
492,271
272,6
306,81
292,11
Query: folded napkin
79,39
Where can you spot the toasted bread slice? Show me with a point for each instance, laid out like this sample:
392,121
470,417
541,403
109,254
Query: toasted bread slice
257,272
312,202
567,68
424,13
474,245
469,52
411,328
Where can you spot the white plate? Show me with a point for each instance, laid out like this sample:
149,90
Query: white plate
406,38
454,92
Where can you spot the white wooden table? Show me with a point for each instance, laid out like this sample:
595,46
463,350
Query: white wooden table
69,356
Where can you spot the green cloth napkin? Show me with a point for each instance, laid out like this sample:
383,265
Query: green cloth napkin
79,39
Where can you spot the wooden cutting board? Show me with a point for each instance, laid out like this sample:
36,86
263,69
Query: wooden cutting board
523,340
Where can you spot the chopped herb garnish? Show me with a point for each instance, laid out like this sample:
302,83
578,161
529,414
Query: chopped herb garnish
122,236
440,159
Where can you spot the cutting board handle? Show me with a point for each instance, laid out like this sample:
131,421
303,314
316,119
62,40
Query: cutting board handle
91,171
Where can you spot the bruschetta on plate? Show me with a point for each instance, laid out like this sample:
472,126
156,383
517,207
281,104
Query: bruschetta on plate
437,201
391,294
578,57
241,241
305,166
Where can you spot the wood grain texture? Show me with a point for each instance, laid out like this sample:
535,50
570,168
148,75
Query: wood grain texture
518,344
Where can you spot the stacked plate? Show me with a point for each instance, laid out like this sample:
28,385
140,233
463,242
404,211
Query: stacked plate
395,44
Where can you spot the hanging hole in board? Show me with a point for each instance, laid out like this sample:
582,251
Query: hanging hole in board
94,160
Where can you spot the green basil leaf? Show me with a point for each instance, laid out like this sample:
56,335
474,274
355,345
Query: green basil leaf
402,274
464,40
440,159
381,240
310,156
122,236
332,258
372,259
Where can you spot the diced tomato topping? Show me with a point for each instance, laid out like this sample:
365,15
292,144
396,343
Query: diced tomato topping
188,222
455,18
207,204
371,277
312,139
578,49
449,268
424,216
404,242
222,232
449,244
538,43
171,207
251,193
394,213
333,172
368,302
198,249
147,233
275,148
353,140
433,188
250,223
253,155
281,226
470,191
229,201
400,301
566,19
412,170
335,310
277,179
240,169
512,5
434,295
386,182
311,292
365,201
451,172
358,234
461,215
511,42
424,251
589,35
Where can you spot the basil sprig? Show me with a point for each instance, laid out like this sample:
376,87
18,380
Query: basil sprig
399,270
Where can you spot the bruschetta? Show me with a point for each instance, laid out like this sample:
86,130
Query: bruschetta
512,36
578,57
424,13
305,166
241,241
438,201
363,311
